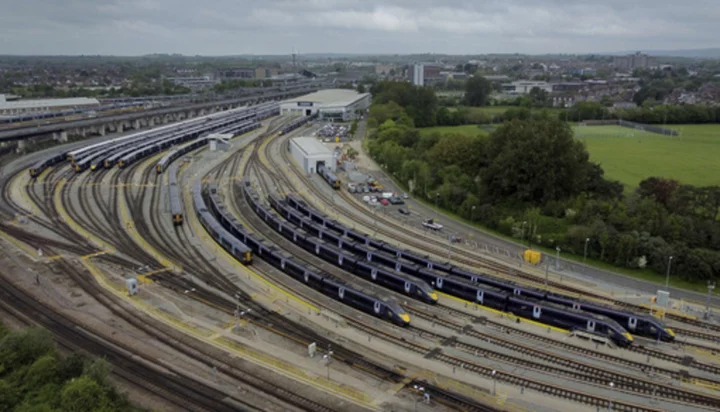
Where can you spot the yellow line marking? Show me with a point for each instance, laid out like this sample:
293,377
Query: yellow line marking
197,228
24,247
213,338
74,225
504,314
129,226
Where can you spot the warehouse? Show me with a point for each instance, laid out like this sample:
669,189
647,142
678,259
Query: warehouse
308,152
330,104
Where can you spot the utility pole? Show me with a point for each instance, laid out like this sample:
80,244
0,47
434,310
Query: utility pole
710,286
557,258
522,233
587,240
667,277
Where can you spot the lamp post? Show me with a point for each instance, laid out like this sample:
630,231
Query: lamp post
437,198
587,240
557,258
237,305
610,405
711,286
522,233
667,277
494,372
472,214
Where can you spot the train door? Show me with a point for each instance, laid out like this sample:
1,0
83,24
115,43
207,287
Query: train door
308,112
373,274
377,307
632,323
537,311
439,283
408,287
576,306
341,293
591,325
480,296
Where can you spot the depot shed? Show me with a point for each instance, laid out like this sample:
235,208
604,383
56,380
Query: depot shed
308,152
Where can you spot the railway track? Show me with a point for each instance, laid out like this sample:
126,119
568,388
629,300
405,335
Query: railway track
568,368
180,390
393,229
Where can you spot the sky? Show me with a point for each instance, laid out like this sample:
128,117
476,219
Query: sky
231,27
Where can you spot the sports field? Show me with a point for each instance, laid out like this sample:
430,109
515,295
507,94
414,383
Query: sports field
630,155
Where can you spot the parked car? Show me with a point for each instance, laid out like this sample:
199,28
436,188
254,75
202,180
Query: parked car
403,210
384,202
406,196
396,200
366,199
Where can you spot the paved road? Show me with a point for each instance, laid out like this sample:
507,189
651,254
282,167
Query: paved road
511,250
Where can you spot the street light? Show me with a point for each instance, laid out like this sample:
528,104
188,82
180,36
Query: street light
522,233
610,405
472,214
711,286
587,240
494,381
557,259
667,277
437,198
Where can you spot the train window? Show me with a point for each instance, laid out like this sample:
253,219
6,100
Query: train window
376,307
632,323
439,283
373,274
537,311
407,287
591,325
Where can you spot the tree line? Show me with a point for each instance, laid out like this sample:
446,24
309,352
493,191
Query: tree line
531,179
34,377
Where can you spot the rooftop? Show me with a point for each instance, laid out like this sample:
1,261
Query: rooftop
311,146
330,97
29,104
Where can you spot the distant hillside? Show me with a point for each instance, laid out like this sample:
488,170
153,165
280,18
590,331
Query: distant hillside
710,53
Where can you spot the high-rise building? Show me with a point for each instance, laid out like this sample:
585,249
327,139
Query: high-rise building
418,75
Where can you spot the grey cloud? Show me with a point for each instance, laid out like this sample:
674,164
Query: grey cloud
357,26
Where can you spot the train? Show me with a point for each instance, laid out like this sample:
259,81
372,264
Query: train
297,123
174,194
107,153
643,325
378,306
344,259
230,243
176,153
491,297
328,176
38,167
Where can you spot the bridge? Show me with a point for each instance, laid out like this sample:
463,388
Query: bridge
29,135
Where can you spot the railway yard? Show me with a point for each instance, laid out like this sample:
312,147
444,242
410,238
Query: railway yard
263,287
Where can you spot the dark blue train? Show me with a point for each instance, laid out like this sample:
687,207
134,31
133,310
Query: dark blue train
642,325
381,307
322,244
494,298
297,123
328,176
216,230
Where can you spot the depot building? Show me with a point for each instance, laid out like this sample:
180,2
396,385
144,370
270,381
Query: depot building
330,104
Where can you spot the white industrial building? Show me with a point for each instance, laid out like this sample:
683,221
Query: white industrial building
524,86
308,152
44,105
338,104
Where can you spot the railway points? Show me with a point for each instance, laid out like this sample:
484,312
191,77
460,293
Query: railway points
120,216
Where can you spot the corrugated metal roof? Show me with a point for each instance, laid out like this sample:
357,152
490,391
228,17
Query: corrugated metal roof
311,146
330,97
29,104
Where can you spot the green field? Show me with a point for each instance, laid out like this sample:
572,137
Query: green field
631,155
469,129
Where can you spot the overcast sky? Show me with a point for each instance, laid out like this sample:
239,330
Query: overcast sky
224,27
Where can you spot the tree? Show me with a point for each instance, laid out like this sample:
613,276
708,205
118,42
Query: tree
535,161
477,91
360,88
